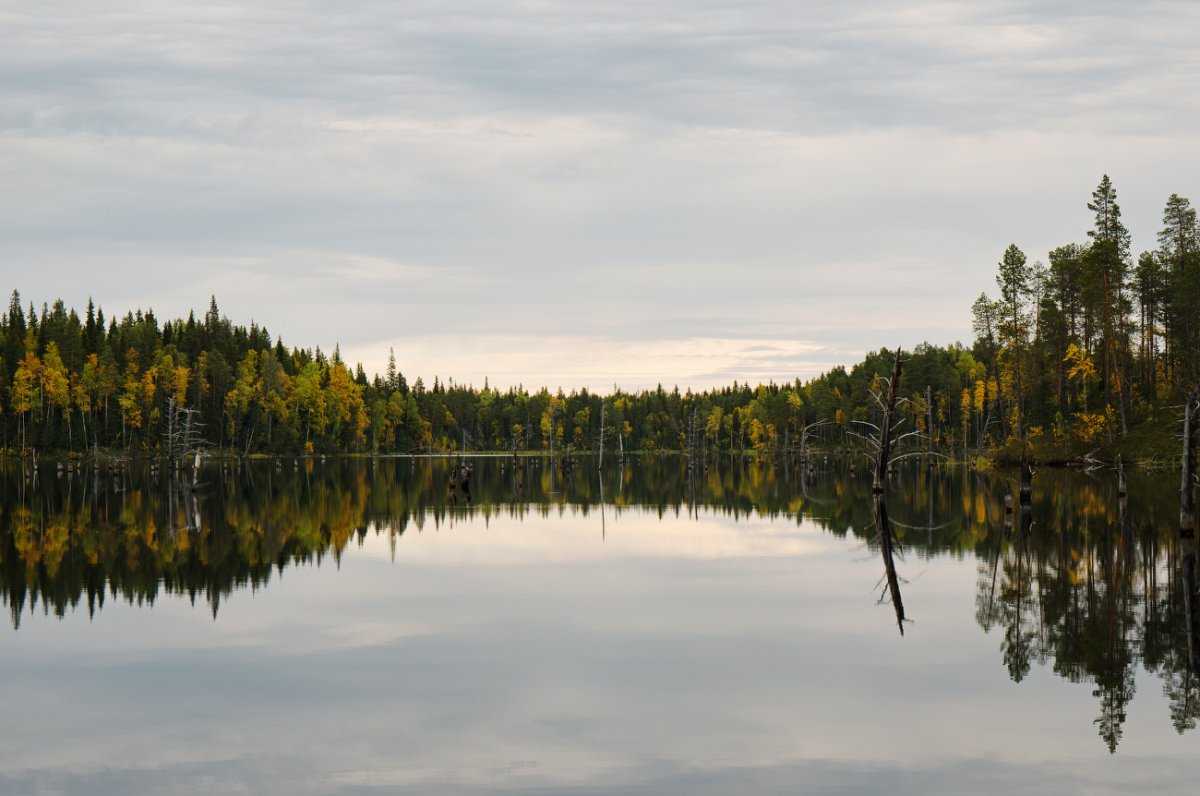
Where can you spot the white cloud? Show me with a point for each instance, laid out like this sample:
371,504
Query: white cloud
842,174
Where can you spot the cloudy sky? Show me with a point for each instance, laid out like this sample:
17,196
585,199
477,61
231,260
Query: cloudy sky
573,193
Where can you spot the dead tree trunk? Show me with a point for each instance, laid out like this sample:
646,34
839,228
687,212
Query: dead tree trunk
885,429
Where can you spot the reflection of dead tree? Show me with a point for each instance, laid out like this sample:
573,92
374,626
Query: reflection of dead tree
986,612
460,480
182,499
184,438
1187,467
603,529
929,527
887,548
1187,524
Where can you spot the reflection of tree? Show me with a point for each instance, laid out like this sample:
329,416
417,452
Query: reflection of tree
987,609
1181,687
1114,687
1085,591
1091,589
1015,614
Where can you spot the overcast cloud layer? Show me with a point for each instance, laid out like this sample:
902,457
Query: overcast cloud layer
579,193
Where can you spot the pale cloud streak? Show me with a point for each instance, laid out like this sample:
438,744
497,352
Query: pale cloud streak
601,363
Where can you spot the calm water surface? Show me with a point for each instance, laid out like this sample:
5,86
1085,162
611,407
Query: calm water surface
351,627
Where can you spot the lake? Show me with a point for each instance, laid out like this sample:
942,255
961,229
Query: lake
364,627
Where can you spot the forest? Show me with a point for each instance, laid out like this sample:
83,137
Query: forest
1088,351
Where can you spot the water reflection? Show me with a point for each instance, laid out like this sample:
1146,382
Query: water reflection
1085,583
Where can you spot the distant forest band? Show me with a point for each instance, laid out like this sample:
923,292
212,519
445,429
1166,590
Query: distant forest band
1072,356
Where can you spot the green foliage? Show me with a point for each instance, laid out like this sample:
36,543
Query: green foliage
255,395
1060,355
1074,360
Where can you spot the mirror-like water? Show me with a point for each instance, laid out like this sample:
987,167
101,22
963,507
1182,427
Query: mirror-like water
363,627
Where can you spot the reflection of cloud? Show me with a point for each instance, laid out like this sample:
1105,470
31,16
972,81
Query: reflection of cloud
826,776
300,776
349,635
631,532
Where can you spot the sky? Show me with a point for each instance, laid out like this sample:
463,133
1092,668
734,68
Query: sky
575,193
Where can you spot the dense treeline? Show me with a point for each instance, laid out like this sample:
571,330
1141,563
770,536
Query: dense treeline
1070,353
1083,348
75,383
